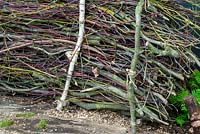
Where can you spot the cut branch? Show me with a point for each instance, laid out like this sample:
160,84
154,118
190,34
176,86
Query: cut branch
61,102
132,72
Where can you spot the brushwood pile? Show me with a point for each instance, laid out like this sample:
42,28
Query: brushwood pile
37,38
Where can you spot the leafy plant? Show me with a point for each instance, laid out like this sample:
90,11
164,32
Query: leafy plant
182,116
181,119
42,124
178,99
6,123
194,83
196,93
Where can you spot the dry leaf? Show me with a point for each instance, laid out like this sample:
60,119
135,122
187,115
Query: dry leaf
69,54
95,72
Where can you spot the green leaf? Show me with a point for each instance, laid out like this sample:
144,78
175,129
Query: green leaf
183,108
196,94
181,119
178,100
194,81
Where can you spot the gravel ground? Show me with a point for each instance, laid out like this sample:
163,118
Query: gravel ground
101,117
73,119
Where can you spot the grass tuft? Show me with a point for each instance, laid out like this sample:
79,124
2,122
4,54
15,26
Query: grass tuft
42,124
6,123
27,115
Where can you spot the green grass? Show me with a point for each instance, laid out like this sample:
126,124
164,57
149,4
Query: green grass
42,124
6,123
27,115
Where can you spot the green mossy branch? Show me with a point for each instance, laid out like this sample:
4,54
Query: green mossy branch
131,87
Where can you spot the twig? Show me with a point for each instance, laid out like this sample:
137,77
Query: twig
170,72
194,57
29,43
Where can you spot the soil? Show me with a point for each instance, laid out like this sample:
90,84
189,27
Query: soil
73,120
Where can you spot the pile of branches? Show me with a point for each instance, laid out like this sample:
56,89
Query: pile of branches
37,38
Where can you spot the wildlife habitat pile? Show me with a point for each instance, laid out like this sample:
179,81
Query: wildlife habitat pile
37,38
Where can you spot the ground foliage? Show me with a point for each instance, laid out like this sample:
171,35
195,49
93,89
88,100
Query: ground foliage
37,38
6,123
178,100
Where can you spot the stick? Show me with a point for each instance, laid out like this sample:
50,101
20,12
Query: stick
61,103
132,72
